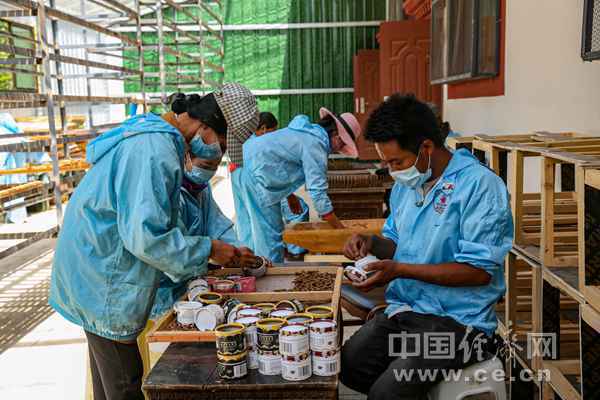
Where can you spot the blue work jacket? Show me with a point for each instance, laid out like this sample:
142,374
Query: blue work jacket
280,162
464,218
200,215
120,231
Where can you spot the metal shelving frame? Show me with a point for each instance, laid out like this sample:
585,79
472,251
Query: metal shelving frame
49,57
200,30
46,54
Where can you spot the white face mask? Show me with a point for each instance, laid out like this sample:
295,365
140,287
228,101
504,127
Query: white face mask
411,177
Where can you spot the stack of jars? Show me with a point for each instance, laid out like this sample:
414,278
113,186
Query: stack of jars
232,352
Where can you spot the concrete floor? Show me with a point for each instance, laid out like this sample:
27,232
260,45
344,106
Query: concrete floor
41,354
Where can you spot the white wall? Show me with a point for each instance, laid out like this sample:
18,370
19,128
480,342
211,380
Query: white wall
548,86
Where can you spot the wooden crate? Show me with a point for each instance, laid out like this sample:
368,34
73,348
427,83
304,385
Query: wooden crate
590,348
460,142
320,237
546,223
268,290
536,303
589,234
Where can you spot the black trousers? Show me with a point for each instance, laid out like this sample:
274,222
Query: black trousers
376,363
117,369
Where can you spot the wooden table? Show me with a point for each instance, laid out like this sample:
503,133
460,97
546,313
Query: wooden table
188,370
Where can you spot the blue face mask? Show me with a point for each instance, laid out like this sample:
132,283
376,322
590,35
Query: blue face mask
206,151
200,176
411,177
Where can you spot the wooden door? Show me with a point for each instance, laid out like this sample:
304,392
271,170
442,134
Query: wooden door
404,60
366,96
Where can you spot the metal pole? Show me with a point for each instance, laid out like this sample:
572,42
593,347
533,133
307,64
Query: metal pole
141,53
201,49
177,59
88,83
47,90
222,32
59,76
161,54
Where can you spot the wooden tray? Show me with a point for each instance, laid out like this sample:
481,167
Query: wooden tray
319,237
277,278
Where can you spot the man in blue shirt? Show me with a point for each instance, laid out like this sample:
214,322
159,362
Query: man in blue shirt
441,253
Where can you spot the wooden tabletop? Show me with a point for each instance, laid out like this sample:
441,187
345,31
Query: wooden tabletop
188,370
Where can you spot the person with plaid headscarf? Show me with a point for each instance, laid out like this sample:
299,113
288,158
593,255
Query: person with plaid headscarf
121,230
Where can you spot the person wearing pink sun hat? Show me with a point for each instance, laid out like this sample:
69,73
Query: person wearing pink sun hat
347,128
278,164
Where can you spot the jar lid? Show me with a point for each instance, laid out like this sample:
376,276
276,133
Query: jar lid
247,321
229,330
320,310
197,282
232,315
281,313
205,320
270,324
323,326
249,311
210,297
302,318
187,306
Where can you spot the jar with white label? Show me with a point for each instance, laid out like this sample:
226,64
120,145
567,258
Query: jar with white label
323,335
326,363
269,362
296,368
293,340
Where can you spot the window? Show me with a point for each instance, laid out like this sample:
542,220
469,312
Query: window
465,40
590,49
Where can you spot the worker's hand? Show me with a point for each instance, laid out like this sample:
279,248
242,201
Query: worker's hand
333,221
247,258
224,254
358,246
380,274
294,204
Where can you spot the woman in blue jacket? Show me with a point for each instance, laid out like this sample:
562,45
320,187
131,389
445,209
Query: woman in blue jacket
121,233
277,164
200,215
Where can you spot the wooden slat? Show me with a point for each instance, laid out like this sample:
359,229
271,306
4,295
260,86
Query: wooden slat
516,192
558,381
592,296
580,175
319,237
592,178
547,186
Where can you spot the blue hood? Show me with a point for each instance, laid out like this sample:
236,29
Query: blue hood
461,159
302,123
139,124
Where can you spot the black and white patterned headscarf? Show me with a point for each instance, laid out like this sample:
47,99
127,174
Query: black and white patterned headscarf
238,105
